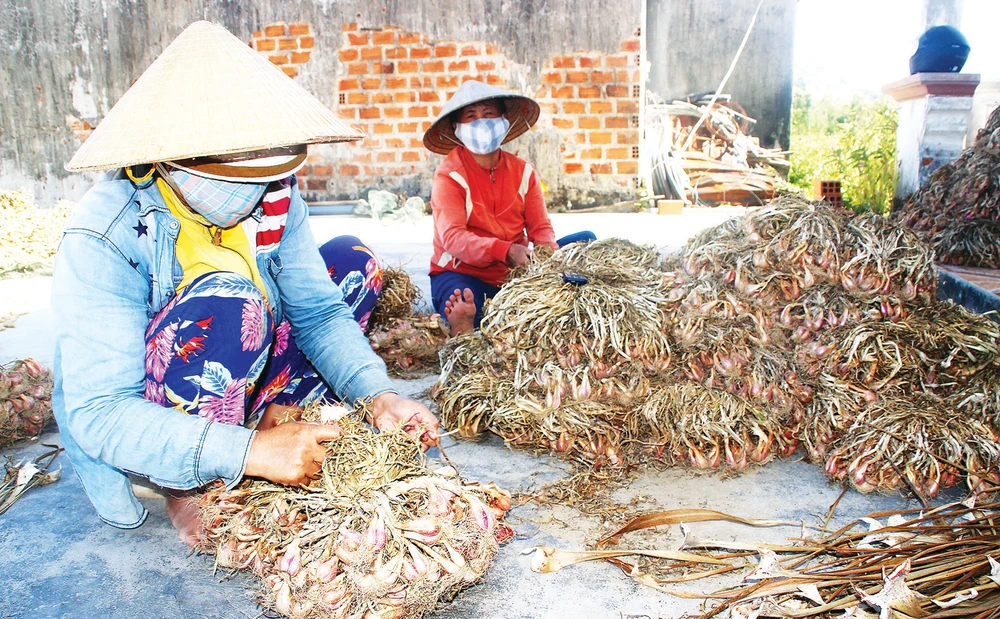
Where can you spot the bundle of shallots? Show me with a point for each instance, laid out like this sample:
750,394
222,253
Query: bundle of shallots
395,300
378,535
957,212
565,349
407,340
25,400
798,323
411,344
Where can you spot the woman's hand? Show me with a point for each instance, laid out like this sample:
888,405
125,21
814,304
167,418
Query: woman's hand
290,453
390,410
518,255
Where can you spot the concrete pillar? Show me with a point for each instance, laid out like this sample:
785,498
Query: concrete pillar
934,110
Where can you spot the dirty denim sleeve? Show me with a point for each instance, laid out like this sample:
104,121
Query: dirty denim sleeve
323,325
99,301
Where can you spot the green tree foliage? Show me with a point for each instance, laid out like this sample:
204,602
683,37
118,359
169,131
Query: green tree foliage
854,143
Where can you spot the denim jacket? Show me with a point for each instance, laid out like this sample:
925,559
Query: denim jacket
115,269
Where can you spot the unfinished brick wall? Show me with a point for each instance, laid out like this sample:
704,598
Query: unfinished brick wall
287,45
393,82
392,85
593,99
81,129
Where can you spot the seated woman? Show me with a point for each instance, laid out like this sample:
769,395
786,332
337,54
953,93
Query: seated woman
190,298
487,203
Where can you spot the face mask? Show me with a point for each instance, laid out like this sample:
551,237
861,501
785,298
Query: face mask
483,136
221,203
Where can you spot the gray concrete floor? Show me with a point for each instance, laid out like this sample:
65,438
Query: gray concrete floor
58,560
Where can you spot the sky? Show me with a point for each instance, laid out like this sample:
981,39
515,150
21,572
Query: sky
849,47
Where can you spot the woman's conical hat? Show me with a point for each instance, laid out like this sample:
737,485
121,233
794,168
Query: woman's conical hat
208,93
522,112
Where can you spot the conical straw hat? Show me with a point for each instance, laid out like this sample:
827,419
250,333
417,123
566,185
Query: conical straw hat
208,93
522,112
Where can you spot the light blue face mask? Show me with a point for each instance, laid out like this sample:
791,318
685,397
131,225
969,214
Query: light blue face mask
222,203
483,136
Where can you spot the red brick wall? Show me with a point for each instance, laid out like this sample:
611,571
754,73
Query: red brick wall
391,83
287,45
81,129
593,100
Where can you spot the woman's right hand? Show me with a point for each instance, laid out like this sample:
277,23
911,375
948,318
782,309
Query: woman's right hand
290,453
518,255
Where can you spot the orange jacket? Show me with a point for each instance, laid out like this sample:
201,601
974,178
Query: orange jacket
479,213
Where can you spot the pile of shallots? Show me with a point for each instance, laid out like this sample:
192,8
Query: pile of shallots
378,535
407,339
25,400
797,323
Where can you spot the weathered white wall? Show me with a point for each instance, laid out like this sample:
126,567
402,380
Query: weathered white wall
77,57
690,44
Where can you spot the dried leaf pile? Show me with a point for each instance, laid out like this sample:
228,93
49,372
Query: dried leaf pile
25,400
23,475
407,340
931,564
29,236
378,535
958,211
795,324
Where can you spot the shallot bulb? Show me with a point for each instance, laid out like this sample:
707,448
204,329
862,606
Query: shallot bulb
501,500
419,561
326,570
484,517
389,572
426,530
698,459
291,561
447,472
350,538
335,598
283,598
438,501
375,536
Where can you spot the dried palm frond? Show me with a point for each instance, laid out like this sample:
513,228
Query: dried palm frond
933,563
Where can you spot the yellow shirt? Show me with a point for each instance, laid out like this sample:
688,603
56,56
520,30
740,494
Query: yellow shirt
198,254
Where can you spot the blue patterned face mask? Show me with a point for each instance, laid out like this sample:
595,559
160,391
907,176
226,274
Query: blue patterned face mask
222,203
483,136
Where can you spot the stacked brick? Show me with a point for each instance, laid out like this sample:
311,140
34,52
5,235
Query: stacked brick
593,99
289,46
81,129
393,83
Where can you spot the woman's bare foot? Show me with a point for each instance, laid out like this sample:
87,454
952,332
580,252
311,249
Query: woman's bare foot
184,515
460,310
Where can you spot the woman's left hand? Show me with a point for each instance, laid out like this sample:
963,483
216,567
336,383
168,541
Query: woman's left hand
390,410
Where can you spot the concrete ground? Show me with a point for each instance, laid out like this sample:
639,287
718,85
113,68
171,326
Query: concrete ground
58,560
